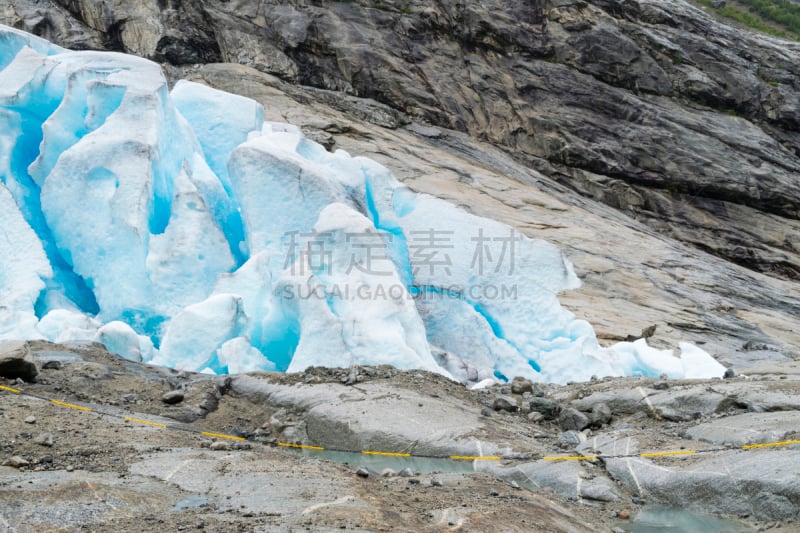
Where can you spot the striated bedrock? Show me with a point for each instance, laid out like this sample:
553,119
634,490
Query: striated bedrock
653,108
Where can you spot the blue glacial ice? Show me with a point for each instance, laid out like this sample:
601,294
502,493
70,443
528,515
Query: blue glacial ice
179,228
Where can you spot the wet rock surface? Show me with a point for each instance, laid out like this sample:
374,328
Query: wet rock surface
119,473
747,428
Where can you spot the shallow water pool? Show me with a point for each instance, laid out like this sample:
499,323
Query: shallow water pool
662,519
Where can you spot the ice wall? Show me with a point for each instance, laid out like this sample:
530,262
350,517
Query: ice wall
178,228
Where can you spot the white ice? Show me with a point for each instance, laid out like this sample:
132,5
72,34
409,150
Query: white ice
353,309
120,338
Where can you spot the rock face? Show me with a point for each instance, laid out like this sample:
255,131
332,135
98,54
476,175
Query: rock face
769,483
657,146
747,428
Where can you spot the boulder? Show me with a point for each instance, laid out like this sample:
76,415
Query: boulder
625,401
690,404
172,397
505,403
16,361
572,419
547,407
601,415
521,386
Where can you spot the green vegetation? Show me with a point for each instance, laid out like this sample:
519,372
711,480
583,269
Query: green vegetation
784,12
780,18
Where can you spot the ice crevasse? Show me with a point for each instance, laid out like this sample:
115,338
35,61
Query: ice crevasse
179,228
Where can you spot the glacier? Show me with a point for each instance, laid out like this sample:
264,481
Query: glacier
179,228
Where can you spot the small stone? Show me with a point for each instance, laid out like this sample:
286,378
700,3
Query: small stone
220,445
46,459
70,468
362,472
388,472
637,501
535,416
572,419
521,386
52,365
15,461
436,482
44,439
407,472
661,385
172,397
505,403
514,485
493,492
754,346
486,411
617,530
414,481
729,373
613,514
30,420
624,514
571,438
